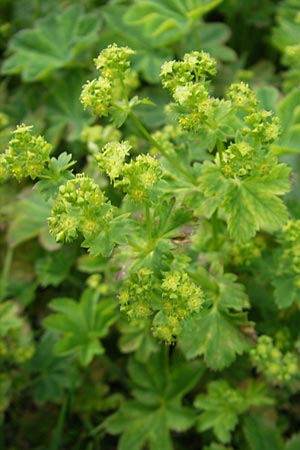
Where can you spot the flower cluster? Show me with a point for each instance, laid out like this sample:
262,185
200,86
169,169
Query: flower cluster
137,177
181,298
264,127
79,207
113,61
242,160
242,96
248,155
168,302
111,159
291,232
97,95
113,64
197,110
278,368
135,297
26,155
194,68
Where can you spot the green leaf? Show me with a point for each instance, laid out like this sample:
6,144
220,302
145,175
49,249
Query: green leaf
82,324
222,405
262,434
5,391
231,294
286,291
167,22
29,216
170,218
54,43
54,267
268,97
66,117
251,204
56,174
157,407
289,114
212,181
216,336
250,207
211,37
138,338
148,60
52,375
215,446
293,443
9,319
104,242
162,23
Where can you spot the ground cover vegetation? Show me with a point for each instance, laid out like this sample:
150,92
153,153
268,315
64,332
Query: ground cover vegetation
150,225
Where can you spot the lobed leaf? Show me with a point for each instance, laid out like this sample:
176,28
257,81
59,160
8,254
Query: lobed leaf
54,43
214,336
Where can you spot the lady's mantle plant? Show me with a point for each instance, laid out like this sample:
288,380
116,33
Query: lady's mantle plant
181,209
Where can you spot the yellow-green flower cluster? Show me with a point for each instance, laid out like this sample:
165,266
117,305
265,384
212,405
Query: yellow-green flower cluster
186,81
242,160
113,64
97,95
26,155
79,207
168,301
194,68
111,159
291,232
278,368
264,126
242,96
113,61
181,298
135,297
139,176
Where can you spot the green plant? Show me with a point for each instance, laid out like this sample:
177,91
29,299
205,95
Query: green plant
150,281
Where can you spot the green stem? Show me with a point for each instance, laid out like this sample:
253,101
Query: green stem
155,144
220,148
56,439
145,132
148,222
5,273
215,230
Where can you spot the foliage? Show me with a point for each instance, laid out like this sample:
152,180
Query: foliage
55,42
150,225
